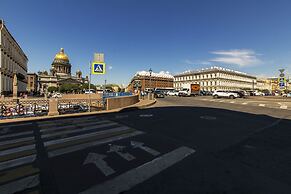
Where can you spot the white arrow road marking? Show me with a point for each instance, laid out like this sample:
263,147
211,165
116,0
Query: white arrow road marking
118,150
140,145
140,174
97,159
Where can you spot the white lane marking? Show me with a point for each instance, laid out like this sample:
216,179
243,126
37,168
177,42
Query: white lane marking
212,100
67,124
283,106
121,116
84,136
17,149
140,145
244,103
118,150
17,162
78,130
16,140
221,100
20,185
146,115
262,105
98,160
140,174
91,144
206,117
16,125
16,134
232,102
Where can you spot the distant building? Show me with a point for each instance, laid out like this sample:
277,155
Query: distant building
12,61
32,82
143,80
60,73
216,78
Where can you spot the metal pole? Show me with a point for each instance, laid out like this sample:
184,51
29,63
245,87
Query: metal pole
89,108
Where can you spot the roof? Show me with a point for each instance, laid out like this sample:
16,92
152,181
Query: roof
212,69
161,74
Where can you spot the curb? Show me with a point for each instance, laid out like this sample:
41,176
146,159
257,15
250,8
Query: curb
31,119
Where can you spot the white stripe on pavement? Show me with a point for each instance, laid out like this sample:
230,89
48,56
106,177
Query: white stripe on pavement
16,134
244,103
91,144
17,162
140,174
283,107
78,130
262,105
83,136
24,139
17,149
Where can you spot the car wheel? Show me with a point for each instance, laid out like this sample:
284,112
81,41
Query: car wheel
231,97
215,96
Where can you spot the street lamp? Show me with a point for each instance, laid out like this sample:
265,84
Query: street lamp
150,70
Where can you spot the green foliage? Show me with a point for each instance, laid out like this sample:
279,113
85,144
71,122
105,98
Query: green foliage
52,89
69,88
86,86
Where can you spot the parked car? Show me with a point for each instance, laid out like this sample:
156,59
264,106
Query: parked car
225,94
241,94
57,95
159,94
286,95
173,93
91,91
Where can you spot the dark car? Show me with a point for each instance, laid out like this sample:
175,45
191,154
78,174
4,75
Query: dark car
159,94
241,94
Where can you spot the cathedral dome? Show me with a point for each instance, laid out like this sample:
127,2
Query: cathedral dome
61,56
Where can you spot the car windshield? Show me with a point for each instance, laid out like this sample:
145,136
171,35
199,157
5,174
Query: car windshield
145,97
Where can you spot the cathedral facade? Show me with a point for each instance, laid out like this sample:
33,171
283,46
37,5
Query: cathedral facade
60,73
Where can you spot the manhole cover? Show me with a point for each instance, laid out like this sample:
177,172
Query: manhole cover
208,117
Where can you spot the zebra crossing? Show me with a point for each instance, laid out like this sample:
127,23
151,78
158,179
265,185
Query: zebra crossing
75,135
18,171
267,104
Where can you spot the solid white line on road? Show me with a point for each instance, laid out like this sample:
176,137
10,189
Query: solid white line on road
232,102
17,162
16,125
91,144
20,185
244,103
16,134
16,140
262,105
84,136
17,149
140,174
146,115
78,130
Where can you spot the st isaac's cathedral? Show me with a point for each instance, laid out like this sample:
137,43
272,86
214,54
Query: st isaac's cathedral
60,73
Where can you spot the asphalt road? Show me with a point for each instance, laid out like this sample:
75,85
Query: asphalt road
180,145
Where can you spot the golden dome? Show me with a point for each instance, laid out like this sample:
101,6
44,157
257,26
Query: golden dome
61,56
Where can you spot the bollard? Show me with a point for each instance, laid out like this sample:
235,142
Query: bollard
53,107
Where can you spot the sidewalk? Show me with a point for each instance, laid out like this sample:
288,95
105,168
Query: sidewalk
141,104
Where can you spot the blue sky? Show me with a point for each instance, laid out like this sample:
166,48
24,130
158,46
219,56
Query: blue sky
252,36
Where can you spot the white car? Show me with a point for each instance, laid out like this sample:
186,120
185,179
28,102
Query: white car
57,95
173,93
225,94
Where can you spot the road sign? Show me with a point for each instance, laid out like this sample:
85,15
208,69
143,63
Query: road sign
98,68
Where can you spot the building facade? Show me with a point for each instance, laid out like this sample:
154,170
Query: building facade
12,61
144,80
32,83
216,78
60,73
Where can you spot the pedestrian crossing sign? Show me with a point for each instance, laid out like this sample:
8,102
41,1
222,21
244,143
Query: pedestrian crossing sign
98,68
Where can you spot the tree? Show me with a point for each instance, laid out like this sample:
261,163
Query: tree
86,86
69,88
52,89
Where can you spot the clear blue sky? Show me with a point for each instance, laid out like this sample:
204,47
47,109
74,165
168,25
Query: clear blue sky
253,36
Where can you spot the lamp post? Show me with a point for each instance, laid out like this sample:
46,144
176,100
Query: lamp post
150,70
